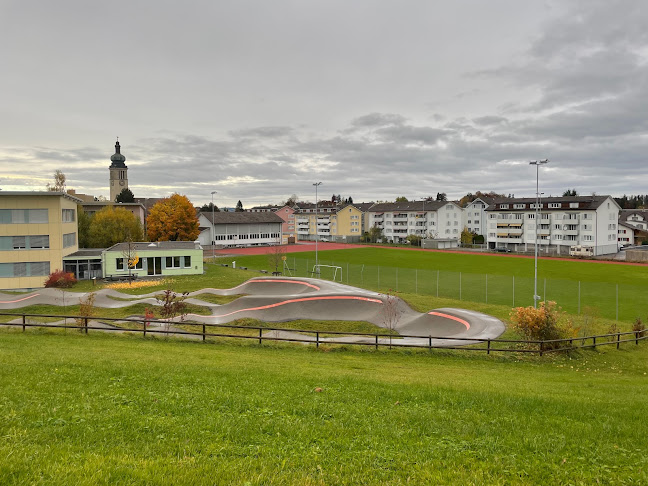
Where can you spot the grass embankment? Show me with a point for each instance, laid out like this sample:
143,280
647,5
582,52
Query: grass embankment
103,409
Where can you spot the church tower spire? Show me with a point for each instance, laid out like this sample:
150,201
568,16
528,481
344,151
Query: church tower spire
118,173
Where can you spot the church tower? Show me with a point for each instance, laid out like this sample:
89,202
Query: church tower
118,173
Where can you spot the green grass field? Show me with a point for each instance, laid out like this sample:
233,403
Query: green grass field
578,286
101,409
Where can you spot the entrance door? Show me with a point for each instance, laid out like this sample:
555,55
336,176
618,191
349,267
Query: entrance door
154,265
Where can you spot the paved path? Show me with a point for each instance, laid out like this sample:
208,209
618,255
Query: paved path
281,299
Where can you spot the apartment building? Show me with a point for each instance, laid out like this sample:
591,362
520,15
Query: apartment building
475,217
433,219
37,229
562,222
311,220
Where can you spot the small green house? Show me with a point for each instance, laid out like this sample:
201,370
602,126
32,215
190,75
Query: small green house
153,259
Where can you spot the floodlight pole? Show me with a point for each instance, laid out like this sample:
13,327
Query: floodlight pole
316,184
537,163
213,230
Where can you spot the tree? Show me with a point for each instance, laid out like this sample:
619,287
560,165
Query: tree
291,201
83,224
441,196
401,199
59,182
239,207
466,236
375,233
391,313
208,207
173,219
130,258
114,225
276,257
125,196
570,192
414,240
350,200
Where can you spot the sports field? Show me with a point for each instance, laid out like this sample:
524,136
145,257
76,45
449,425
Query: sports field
605,289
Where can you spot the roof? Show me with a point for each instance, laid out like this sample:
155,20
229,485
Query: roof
110,203
408,206
241,217
41,193
85,253
158,245
584,202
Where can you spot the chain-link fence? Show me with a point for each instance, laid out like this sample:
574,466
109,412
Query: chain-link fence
597,299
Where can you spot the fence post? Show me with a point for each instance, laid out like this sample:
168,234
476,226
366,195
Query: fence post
430,342
618,339
317,339
637,337
260,336
144,328
203,334
488,346
85,324
376,341
25,322
541,347
594,342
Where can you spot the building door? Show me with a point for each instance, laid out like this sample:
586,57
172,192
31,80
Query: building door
154,265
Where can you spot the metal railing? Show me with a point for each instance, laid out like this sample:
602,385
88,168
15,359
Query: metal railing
318,337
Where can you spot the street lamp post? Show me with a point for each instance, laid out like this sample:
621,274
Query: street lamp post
316,184
537,163
213,230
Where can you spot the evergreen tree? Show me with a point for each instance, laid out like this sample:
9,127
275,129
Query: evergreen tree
125,196
239,206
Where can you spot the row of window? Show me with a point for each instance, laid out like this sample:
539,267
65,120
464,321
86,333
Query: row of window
25,269
33,242
169,262
251,236
33,216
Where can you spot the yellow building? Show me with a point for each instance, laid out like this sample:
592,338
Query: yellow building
37,229
346,224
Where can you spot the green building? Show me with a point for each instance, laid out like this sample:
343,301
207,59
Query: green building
150,259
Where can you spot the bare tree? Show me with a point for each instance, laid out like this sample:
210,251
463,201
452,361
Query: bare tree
276,257
391,313
130,258
59,182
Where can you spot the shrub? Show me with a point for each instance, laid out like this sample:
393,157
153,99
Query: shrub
613,329
60,280
639,328
541,324
86,308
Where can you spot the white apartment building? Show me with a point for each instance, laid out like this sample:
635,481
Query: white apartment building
432,219
475,217
563,222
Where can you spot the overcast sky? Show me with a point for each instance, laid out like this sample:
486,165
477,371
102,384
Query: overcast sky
259,99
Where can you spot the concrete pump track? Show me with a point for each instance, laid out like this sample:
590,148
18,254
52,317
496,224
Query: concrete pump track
281,299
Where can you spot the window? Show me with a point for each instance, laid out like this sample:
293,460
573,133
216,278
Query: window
15,216
557,237
530,216
518,206
119,263
173,262
554,205
187,261
68,215
449,206
587,237
503,206
69,240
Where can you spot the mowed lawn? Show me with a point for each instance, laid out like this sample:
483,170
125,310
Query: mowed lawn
101,409
579,286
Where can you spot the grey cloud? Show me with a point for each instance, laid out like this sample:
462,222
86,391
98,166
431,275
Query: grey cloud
489,120
263,132
373,120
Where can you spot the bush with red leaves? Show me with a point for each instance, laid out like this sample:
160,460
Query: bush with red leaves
60,279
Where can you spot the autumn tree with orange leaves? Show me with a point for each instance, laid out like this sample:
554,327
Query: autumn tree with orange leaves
172,219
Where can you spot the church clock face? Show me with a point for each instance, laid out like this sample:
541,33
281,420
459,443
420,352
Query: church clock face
121,183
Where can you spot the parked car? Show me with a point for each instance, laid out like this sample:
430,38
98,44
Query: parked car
502,250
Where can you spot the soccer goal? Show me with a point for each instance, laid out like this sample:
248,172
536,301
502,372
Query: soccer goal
317,271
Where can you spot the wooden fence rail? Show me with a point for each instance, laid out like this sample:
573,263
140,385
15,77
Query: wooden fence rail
82,323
